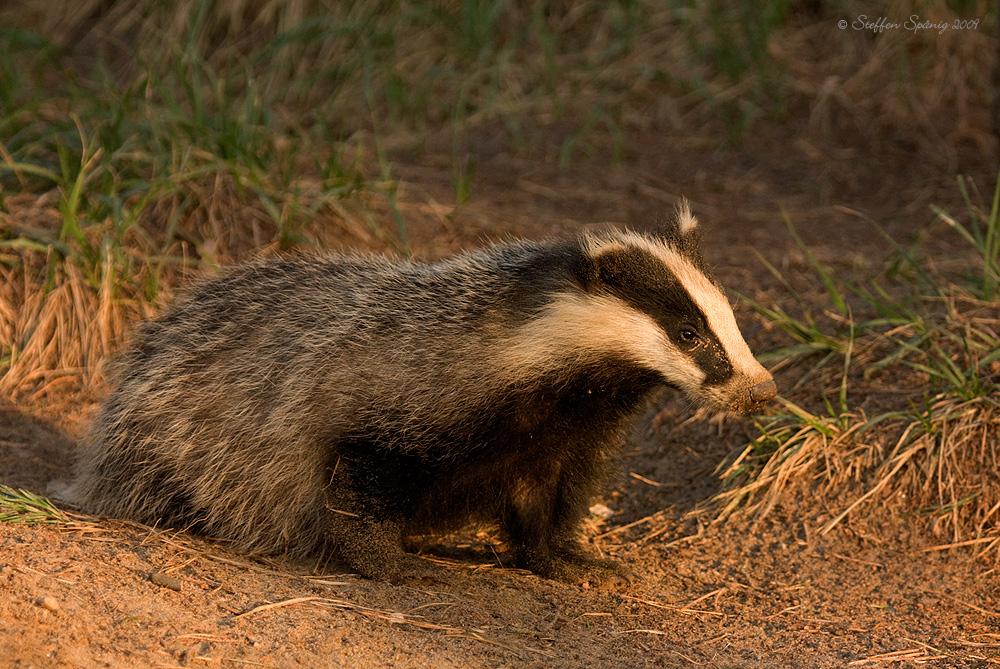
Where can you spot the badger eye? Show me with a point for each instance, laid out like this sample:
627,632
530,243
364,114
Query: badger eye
689,335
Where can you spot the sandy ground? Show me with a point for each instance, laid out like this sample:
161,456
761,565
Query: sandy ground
746,593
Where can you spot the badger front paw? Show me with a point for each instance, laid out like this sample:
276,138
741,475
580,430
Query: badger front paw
577,569
593,573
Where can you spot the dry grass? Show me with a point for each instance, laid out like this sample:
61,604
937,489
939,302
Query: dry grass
56,328
929,449
943,465
66,305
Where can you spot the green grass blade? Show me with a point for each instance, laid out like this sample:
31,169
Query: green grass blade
828,283
23,507
29,168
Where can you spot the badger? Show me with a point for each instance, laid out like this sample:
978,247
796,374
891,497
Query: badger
335,405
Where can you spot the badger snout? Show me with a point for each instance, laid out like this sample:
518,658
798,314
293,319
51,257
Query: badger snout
752,394
742,394
762,393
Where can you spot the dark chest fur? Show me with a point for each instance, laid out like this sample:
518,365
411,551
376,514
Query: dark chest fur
559,433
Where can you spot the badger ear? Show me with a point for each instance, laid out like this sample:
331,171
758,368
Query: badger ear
603,264
685,221
683,231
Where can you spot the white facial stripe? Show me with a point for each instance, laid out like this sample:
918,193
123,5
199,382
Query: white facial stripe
715,306
575,326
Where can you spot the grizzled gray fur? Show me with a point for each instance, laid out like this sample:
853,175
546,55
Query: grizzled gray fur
336,404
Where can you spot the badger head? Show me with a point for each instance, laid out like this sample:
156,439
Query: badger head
652,298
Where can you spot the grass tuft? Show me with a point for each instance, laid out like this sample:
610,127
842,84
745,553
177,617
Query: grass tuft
23,507
934,334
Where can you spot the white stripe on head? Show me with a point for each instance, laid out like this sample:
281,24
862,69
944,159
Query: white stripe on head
747,372
576,327
713,304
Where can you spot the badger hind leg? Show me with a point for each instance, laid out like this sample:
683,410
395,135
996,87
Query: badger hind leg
371,547
364,518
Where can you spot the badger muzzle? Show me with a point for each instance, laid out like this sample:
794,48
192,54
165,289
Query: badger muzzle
746,394
762,393
743,393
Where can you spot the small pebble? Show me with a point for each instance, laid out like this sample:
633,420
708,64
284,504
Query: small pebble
48,603
602,511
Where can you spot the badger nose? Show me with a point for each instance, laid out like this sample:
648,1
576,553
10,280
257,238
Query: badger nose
763,392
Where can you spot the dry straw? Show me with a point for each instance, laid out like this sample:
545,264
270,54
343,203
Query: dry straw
931,452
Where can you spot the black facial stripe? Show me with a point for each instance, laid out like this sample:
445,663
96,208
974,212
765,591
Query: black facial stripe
640,279
711,358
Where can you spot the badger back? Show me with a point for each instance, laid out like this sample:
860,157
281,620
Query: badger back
649,301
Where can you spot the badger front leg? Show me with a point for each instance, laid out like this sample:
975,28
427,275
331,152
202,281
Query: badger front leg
542,523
